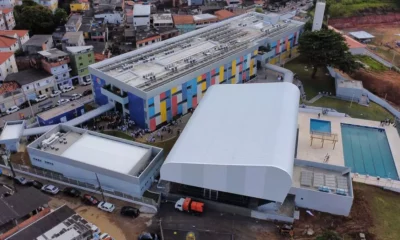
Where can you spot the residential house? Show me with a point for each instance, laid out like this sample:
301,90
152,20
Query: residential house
8,15
7,64
50,4
62,223
162,20
81,58
7,3
184,23
22,36
8,44
167,33
86,26
56,62
79,6
38,43
141,15
17,209
10,95
99,32
3,25
33,82
203,20
74,23
58,35
73,39
129,16
146,37
224,14
110,16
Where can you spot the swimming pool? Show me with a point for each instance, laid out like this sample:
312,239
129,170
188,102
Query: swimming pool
317,125
366,150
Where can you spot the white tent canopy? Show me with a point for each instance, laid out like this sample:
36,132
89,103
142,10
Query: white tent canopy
241,139
362,35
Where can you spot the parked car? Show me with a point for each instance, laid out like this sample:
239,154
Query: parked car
35,184
20,180
72,192
76,96
12,109
148,236
26,104
55,93
90,200
87,82
50,189
62,101
41,98
67,89
129,211
106,206
106,236
87,92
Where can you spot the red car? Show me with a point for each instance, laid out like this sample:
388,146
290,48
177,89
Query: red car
89,200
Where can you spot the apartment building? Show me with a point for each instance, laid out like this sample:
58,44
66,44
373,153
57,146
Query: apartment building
38,43
55,62
81,58
50,4
7,64
7,3
8,44
22,36
8,16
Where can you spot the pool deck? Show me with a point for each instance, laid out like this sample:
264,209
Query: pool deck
317,153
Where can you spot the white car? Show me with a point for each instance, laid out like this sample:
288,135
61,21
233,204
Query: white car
106,236
41,98
67,89
55,93
12,109
76,96
106,206
87,82
50,189
62,101
20,180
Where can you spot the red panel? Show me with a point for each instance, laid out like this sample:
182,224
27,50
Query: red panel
153,124
278,45
174,105
286,42
241,59
204,76
212,72
244,76
241,67
212,81
162,95
194,102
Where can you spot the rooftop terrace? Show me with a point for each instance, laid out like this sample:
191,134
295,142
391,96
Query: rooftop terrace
152,66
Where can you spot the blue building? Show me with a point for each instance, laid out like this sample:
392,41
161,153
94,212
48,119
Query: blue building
61,114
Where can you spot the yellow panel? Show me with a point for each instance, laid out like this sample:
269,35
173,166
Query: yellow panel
199,78
174,90
288,46
163,110
252,67
221,73
203,86
255,52
233,67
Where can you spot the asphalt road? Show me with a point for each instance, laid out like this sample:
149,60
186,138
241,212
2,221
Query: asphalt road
36,107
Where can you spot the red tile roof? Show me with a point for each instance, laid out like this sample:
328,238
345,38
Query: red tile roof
352,43
183,19
4,56
8,87
224,14
7,41
6,10
20,33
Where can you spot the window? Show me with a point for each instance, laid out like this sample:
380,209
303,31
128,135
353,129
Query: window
80,58
80,64
47,90
38,84
50,163
27,87
64,75
89,55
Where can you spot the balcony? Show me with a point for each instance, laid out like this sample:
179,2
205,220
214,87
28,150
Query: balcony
115,94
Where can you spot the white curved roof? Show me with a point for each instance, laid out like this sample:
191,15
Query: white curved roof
241,139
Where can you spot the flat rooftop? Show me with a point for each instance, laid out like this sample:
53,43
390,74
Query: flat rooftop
54,112
350,84
12,130
95,149
157,64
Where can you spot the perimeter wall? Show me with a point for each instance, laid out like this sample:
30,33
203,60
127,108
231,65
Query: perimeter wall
351,22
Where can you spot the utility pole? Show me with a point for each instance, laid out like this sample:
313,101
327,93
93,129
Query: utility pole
29,102
8,153
101,189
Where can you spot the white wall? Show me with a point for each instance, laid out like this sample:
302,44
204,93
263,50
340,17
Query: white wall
59,69
7,3
13,48
321,201
318,16
39,85
9,64
24,38
84,175
115,18
141,21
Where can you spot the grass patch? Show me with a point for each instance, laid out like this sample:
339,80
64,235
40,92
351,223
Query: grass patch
373,112
388,55
166,145
350,8
322,82
384,209
372,63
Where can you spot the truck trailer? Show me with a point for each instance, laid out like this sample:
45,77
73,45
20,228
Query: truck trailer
188,205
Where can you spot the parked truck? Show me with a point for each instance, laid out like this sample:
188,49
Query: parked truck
188,205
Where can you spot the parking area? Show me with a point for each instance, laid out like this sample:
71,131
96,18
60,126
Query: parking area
213,225
119,227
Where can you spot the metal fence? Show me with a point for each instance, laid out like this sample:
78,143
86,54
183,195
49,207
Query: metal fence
58,178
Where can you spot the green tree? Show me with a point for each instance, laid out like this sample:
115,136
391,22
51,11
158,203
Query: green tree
259,10
60,16
37,19
329,235
326,48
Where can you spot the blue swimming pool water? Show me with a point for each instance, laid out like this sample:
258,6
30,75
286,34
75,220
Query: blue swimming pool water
366,150
317,125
